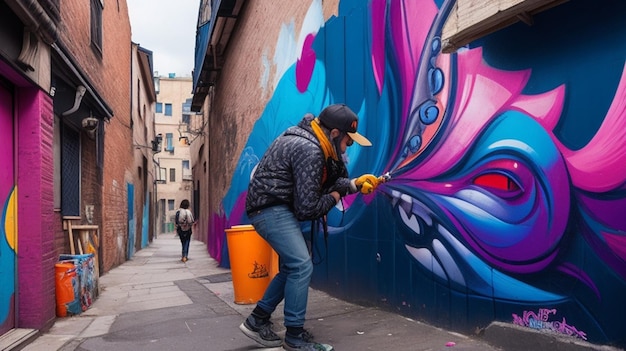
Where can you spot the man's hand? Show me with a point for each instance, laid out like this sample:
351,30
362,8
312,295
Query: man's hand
366,183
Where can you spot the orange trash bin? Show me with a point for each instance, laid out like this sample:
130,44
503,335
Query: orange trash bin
65,274
253,263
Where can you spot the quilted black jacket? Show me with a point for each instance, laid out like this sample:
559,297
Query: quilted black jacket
290,173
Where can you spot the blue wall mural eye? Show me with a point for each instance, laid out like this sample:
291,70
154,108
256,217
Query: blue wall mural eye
499,184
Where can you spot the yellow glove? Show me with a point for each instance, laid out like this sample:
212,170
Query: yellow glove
366,183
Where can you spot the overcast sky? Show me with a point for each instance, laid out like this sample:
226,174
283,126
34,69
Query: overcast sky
168,29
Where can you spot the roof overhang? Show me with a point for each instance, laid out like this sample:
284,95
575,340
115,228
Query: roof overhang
67,77
212,38
147,71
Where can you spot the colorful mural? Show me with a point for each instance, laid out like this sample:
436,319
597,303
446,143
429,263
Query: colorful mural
507,163
8,214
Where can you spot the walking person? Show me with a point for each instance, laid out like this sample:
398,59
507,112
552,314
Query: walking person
184,222
301,177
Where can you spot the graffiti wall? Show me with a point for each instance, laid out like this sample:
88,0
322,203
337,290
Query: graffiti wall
507,161
8,215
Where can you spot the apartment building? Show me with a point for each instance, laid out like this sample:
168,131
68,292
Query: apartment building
172,119
69,120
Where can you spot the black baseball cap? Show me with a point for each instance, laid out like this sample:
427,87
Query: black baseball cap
340,116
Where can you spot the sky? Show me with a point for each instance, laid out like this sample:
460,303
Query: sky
168,29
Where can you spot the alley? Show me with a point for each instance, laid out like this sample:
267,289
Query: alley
156,302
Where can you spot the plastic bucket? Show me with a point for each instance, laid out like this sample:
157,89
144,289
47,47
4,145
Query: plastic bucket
253,263
65,276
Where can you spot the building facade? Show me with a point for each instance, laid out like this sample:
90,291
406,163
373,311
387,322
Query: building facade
505,150
68,127
142,218
172,122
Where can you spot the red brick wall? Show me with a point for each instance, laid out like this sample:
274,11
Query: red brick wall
118,150
109,72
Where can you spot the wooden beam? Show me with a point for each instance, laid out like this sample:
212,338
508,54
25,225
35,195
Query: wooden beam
470,20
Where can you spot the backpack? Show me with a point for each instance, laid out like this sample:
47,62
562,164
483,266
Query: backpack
185,220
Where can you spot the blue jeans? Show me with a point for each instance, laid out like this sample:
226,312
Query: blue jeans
280,228
185,238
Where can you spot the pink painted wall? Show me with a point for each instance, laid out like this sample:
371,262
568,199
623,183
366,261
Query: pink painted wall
36,254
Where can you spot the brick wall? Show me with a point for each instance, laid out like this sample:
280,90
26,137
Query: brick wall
118,150
36,254
109,72
240,96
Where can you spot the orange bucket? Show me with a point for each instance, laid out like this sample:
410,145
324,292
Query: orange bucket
253,263
65,274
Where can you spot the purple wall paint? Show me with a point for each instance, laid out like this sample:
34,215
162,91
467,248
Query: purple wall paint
36,301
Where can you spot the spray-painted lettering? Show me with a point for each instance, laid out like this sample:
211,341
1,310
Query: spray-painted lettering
541,320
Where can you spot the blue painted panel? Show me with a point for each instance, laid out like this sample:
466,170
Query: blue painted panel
130,188
145,223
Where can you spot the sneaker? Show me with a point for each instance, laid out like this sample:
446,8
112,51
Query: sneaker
307,336
304,342
260,331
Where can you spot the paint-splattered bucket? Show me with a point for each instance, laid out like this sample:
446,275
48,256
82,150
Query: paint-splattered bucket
65,280
253,263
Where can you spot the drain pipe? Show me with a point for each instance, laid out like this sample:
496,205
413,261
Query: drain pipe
80,92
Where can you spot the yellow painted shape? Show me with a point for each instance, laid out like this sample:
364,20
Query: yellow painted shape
10,227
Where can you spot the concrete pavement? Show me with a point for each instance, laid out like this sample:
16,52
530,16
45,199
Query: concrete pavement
156,302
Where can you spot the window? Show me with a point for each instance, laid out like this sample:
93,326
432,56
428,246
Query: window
186,170
96,24
168,109
187,106
172,174
67,162
170,205
169,142
159,107
187,111
162,175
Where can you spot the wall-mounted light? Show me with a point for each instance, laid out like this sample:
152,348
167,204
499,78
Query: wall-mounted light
90,123
156,143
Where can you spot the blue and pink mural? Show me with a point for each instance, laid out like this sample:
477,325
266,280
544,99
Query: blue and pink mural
8,215
507,161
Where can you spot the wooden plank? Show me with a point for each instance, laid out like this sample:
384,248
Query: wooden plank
71,235
472,19
66,219
15,339
85,226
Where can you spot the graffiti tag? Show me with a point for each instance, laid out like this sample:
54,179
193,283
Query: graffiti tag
541,320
